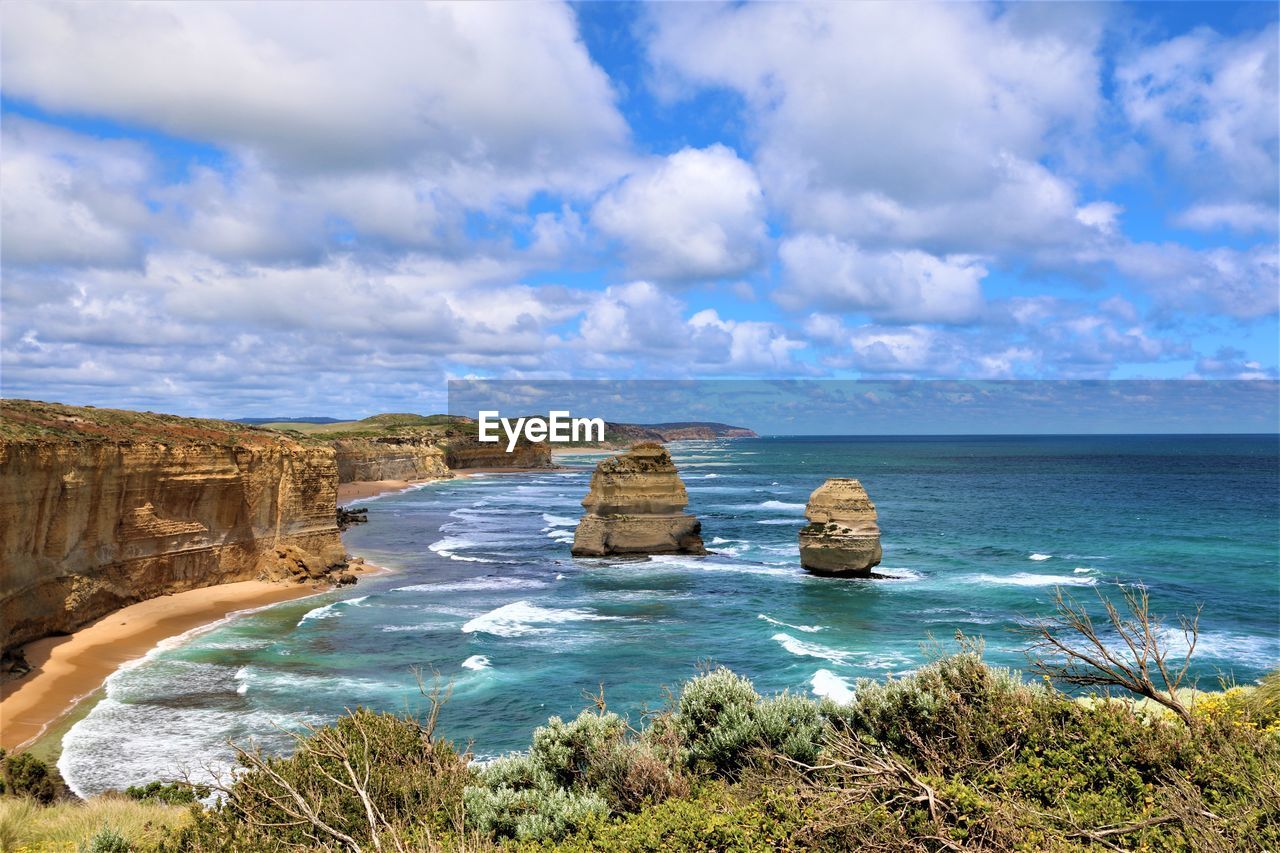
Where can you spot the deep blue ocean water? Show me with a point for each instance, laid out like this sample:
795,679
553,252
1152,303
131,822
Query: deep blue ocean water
977,532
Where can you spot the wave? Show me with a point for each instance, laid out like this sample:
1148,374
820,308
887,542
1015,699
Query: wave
712,565
811,650
1080,570
774,504
473,584
559,520
521,618
1249,649
1039,557
899,574
790,521
806,628
329,611
831,686
476,662
1030,579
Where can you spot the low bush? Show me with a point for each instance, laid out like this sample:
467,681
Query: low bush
957,756
24,775
368,775
173,793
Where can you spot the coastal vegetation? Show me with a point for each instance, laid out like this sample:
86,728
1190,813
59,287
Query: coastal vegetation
959,755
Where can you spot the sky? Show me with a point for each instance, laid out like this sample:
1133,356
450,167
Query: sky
278,209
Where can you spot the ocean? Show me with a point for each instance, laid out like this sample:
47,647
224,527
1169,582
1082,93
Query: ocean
977,534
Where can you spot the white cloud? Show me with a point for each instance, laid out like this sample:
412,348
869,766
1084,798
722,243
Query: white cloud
1245,218
1022,337
1231,363
639,320
696,214
1209,102
69,198
492,101
633,318
879,122
738,346
1240,283
898,286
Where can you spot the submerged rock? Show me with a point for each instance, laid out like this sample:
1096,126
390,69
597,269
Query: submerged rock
636,506
843,537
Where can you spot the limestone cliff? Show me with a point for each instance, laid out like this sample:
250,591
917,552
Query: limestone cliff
392,457
843,535
469,452
636,506
102,508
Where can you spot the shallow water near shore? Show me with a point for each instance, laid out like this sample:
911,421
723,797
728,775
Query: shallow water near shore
977,533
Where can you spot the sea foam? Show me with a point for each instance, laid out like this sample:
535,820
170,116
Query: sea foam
521,618
806,628
810,650
831,686
1030,579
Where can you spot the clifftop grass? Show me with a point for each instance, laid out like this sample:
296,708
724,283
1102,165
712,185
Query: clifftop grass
28,420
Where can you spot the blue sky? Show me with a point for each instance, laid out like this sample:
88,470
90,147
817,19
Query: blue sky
275,209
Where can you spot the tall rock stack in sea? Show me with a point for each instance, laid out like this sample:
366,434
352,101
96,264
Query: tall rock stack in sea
636,506
843,537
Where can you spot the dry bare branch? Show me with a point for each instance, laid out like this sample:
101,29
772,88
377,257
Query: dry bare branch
1069,647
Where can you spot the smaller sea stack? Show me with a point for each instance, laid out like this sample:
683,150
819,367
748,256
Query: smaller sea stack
843,538
636,506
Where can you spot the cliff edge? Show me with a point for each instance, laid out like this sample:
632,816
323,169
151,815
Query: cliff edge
636,506
101,508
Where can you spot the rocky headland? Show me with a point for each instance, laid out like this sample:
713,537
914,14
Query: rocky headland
636,506
102,508
842,538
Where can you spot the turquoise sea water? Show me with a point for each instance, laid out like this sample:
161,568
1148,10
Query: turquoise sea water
977,532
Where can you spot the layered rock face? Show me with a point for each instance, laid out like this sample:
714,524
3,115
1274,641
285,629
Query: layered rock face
96,513
636,506
389,458
843,536
469,452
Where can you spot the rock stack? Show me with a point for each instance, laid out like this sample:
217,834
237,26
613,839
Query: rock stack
636,506
843,538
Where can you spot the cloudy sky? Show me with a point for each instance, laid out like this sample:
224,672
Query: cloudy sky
323,209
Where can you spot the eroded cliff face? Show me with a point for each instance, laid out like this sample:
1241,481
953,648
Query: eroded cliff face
843,535
95,516
390,458
468,452
636,506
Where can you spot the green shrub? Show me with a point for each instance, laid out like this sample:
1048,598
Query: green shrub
518,772
27,776
532,814
173,793
107,840
716,718
716,817
412,780
725,724
569,753
791,725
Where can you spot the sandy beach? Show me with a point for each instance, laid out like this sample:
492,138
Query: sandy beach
65,670
349,492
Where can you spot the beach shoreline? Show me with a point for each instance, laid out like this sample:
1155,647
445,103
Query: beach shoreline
70,669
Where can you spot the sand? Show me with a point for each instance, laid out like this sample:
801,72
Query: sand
348,492
65,670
